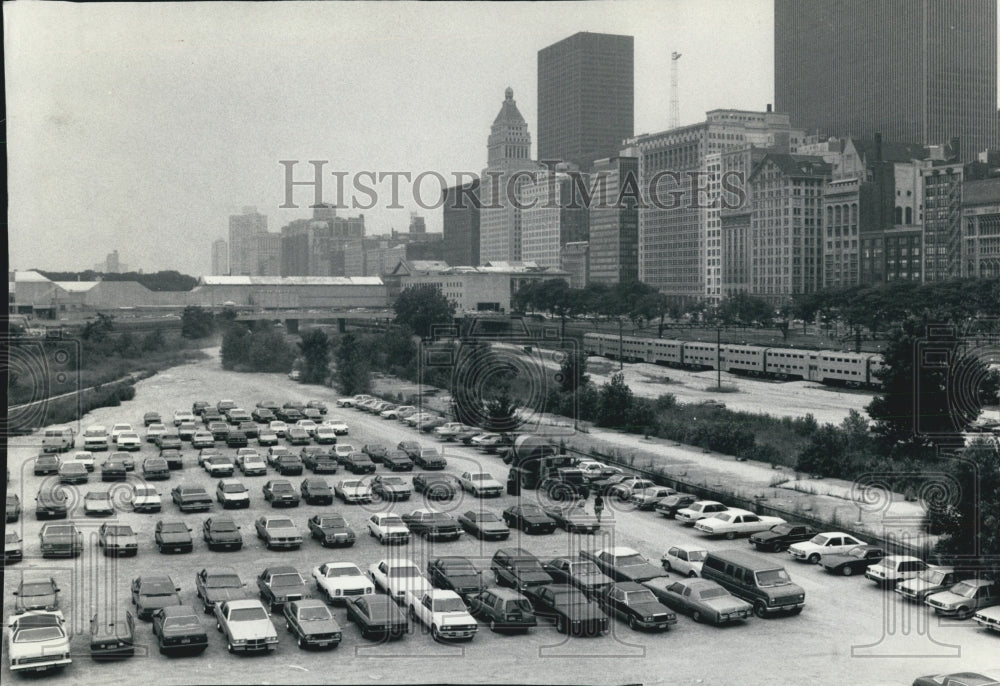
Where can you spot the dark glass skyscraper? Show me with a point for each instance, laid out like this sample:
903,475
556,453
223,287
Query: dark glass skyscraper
585,98
918,71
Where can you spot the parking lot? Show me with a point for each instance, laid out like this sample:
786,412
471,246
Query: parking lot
850,632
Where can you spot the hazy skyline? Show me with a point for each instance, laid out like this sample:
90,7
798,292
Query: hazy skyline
141,128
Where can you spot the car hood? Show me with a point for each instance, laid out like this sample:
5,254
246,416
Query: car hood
157,601
455,618
218,595
765,536
226,535
645,609
641,572
394,529
355,490
336,531
54,648
258,628
915,585
320,626
285,591
192,497
175,537
726,605
593,579
466,581
534,577
147,499
283,531
35,601
949,598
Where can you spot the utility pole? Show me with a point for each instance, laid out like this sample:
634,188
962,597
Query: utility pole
675,104
621,364
718,359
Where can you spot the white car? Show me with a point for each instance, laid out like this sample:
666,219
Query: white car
623,490
448,431
341,580
417,418
98,503
736,522
443,612
395,412
278,427
96,438
153,431
480,484
685,559
325,434
339,427
145,498
591,469
86,458
397,577
699,509
895,568
988,618
307,424
37,641
353,491
828,543
345,402
183,416
118,429
388,528
343,450
128,440
246,625
232,492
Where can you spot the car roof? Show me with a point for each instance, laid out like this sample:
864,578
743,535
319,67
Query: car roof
178,611
630,586
619,550
688,547
280,569
243,603
505,593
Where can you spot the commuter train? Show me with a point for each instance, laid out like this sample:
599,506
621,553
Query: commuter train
824,366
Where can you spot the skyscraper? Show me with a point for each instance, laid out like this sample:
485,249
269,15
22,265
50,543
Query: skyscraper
242,246
508,152
917,72
220,257
461,225
585,98
614,225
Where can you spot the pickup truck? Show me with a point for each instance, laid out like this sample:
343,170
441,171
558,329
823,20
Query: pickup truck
246,625
443,612
624,564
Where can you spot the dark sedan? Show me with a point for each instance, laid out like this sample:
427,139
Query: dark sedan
703,599
331,530
582,574
572,611
397,461
113,469
222,533
173,537
854,561
288,465
484,525
668,506
178,631
316,492
191,498
359,463
531,519
311,623
391,488
780,536
377,617
376,451
637,606
150,593
574,519
455,574
281,492
297,435
502,609
435,487
113,638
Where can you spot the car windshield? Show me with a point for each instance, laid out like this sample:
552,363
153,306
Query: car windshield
333,572
640,597
96,496
532,510
350,484
247,614
437,518
120,531
234,488
157,588
393,481
95,432
392,521
527,564
819,539
279,524
332,521
481,477
932,576
584,568
281,487
36,588
449,605
630,560
34,635
400,572
487,517
314,614
288,579
174,528
571,597
964,589
773,577
223,526
710,593
223,581
184,622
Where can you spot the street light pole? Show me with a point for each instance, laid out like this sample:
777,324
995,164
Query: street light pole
718,359
621,364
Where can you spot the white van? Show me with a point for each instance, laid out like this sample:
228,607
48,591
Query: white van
58,440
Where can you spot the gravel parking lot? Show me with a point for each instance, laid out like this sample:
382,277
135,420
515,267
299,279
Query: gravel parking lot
849,633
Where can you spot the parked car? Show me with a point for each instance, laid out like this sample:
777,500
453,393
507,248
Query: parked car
388,528
704,600
13,550
517,568
765,585
435,487
320,460
117,539
153,431
187,430
202,439
930,581
312,624
316,491
174,458
339,428
278,532
624,489
36,594
988,618
503,609
112,637
341,581
266,436
684,559
780,536
397,461
377,617
636,605
828,543
892,569
46,464
37,642
178,631
669,506
698,510
963,599
86,458
98,504
736,522
118,429
375,451
246,626
12,508
578,572
531,519
173,536
96,438
60,540
215,585
296,435
480,484
391,488
280,584
280,492
397,577
624,564
484,524
198,407
647,498
288,465
168,441
331,530
151,592
456,574
262,415
411,448
251,464
191,498
73,473
222,533
317,405
433,526
574,519
571,610
155,468
236,439
353,491
429,458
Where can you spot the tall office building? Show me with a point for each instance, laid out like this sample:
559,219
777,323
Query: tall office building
554,215
326,245
220,257
242,246
585,98
461,225
916,72
614,225
508,152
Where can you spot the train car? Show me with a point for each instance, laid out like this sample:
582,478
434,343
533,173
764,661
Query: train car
843,368
700,355
876,363
743,359
662,351
635,349
786,363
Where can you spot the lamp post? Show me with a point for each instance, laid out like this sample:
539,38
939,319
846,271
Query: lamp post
621,364
718,359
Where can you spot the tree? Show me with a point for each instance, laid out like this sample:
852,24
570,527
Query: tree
615,402
824,454
269,351
196,322
154,341
315,350
500,412
422,307
353,373
96,330
573,371
967,513
235,346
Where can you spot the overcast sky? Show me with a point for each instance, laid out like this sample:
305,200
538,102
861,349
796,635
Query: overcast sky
142,127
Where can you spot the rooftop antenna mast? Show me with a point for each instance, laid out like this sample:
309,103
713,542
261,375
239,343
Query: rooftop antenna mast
675,103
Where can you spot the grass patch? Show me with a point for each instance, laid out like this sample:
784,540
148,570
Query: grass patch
724,388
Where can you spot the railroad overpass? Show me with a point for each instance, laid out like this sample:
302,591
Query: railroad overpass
292,317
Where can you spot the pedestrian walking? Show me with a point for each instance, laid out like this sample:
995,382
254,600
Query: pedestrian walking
598,507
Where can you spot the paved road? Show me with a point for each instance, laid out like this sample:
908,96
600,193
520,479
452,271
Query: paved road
814,647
